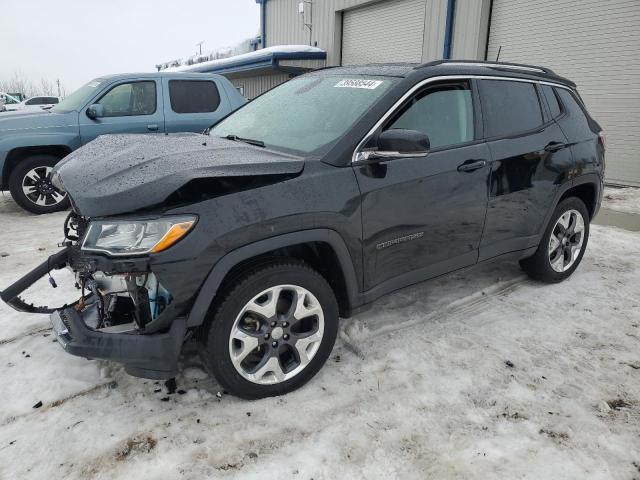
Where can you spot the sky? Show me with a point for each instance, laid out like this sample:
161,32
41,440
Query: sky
77,40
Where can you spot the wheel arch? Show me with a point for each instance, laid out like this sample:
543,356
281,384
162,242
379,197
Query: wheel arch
587,191
336,262
20,153
585,185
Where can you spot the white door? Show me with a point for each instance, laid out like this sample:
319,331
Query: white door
388,31
595,43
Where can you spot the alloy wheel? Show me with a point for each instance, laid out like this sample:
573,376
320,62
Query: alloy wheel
565,242
37,187
276,334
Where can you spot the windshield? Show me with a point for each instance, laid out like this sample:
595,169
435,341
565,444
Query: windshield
305,114
79,98
10,99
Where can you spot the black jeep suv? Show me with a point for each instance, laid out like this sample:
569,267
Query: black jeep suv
314,199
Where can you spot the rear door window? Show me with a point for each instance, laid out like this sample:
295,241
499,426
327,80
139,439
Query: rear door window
444,114
509,107
193,96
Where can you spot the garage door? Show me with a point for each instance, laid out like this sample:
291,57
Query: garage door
388,31
595,43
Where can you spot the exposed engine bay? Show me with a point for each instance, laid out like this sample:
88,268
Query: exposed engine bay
130,300
114,301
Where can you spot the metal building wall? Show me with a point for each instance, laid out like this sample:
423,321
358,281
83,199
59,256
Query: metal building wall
257,85
384,30
285,26
470,29
594,43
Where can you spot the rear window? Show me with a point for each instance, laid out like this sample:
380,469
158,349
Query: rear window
552,100
509,107
193,96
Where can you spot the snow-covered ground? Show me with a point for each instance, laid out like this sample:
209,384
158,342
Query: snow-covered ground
482,374
622,199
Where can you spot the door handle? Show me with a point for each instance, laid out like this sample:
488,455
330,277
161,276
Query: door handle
471,165
554,146
153,127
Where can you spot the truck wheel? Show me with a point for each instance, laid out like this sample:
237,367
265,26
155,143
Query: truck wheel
272,331
31,187
562,245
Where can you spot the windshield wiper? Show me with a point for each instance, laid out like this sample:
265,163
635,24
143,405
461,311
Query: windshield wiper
250,141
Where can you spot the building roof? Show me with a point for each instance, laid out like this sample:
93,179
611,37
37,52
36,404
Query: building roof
268,58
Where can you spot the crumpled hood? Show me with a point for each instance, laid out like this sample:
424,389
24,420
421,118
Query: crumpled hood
117,174
35,119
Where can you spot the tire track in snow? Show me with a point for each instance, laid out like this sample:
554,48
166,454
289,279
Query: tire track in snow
479,301
28,333
56,403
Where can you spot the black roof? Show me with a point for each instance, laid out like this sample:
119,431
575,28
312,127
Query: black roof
449,67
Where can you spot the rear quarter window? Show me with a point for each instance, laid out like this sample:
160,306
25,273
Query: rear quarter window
193,96
552,101
509,107
578,124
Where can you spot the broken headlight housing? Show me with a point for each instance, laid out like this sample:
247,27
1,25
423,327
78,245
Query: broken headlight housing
136,237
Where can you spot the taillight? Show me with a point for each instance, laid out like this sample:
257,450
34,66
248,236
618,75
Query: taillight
602,139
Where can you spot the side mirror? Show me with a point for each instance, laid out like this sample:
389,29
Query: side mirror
95,111
396,143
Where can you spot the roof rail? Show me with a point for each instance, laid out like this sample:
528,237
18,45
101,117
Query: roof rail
502,65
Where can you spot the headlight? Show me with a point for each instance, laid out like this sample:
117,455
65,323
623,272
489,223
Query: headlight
136,237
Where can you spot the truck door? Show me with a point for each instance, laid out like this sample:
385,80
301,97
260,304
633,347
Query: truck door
126,107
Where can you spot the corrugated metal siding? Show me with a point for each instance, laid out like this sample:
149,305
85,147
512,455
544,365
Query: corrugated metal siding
391,31
470,29
596,43
257,85
285,26
310,64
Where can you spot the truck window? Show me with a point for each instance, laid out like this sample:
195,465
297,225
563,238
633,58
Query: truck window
129,99
193,96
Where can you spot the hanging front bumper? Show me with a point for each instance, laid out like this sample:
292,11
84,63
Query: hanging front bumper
149,356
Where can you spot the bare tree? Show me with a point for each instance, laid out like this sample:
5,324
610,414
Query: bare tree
19,83
47,88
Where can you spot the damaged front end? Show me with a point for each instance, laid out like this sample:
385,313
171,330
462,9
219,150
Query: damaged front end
121,302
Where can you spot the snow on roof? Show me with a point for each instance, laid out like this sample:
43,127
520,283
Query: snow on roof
262,54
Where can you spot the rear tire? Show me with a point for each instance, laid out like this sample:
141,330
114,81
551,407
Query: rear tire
272,330
31,188
563,244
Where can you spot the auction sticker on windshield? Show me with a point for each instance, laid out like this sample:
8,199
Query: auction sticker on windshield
358,83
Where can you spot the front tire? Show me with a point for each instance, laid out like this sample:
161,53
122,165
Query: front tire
272,330
563,244
31,187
